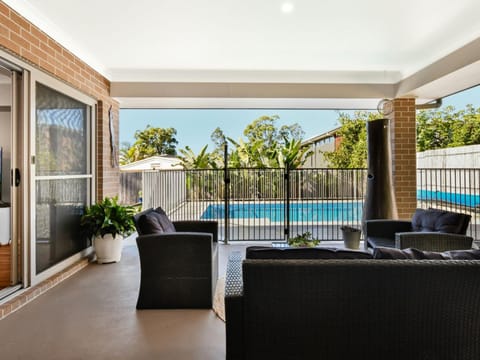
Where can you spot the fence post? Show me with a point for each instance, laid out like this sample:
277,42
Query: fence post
286,182
226,193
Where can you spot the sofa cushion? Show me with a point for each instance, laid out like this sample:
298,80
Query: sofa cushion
440,220
155,222
165,222
149,224
473,254
377,241
265,252
395,254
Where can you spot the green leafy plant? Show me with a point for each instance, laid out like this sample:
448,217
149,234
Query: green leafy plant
108,217
303,240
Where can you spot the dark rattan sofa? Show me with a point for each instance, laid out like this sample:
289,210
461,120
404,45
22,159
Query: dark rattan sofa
179,263
353,308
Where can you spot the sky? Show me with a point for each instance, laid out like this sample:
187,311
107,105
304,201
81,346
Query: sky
194,126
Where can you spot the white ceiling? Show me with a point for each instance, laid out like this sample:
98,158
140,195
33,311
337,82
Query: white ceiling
222,41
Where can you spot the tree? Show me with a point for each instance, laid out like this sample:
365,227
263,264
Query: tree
264,143
293,155
352,150
438,129
264,129
201,161
156,141
150,142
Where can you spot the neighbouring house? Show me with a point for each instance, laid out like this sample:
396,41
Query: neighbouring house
328,141
161,162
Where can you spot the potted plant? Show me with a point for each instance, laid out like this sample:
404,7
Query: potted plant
351,237
107,222
303,240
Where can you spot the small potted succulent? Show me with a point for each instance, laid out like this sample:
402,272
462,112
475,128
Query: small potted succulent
107,222
351,237
303,240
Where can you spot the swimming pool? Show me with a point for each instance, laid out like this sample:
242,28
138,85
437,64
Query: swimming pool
301,212
453,198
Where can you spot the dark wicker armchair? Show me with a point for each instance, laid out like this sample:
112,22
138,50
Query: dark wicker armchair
431,230
179,269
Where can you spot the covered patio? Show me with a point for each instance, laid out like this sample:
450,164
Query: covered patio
100,56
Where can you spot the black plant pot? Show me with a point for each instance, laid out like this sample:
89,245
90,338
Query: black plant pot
379,197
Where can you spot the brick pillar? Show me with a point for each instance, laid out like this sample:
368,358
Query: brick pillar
404,155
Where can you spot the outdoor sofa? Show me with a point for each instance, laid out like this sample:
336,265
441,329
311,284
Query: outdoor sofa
391,305
429,229
178,261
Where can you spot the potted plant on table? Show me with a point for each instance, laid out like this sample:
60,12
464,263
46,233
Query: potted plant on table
351,237
303,240
107,222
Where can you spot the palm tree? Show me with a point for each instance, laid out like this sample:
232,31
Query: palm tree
293,154
201,161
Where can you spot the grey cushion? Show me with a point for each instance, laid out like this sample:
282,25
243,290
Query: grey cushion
264,252
149,224
391,253
155,222
165,222
440,221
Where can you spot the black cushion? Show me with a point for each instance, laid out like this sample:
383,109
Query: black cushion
377,241
440,220
462,254
155,222
265,252
165,222
392,254
150,224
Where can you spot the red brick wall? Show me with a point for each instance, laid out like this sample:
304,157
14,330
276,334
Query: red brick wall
404,155
25,41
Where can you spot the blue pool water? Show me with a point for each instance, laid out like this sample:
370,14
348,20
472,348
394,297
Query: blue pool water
275,212
453,198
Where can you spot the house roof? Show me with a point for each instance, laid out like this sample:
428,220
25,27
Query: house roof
153,163
188,53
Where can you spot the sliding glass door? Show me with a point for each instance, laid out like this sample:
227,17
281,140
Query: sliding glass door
63,175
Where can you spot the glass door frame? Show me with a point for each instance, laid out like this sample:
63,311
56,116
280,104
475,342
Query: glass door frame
67,90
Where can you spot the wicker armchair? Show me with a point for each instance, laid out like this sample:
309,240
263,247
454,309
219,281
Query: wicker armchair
430,230
179,269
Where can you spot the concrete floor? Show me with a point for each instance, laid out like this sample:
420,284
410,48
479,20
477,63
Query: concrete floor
92,315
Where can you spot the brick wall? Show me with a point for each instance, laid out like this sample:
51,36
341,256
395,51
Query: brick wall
403,137
25,41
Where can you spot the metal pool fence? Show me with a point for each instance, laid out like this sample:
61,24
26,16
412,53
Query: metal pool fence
261,204
451,189
271,204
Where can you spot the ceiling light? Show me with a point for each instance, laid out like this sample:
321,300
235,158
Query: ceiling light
287,7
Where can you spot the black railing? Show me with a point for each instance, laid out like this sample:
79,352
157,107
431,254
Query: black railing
272,204
261,204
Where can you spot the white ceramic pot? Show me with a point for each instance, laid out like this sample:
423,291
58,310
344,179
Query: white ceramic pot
351,239
108,248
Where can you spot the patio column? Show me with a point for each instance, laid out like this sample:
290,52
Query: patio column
404,155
